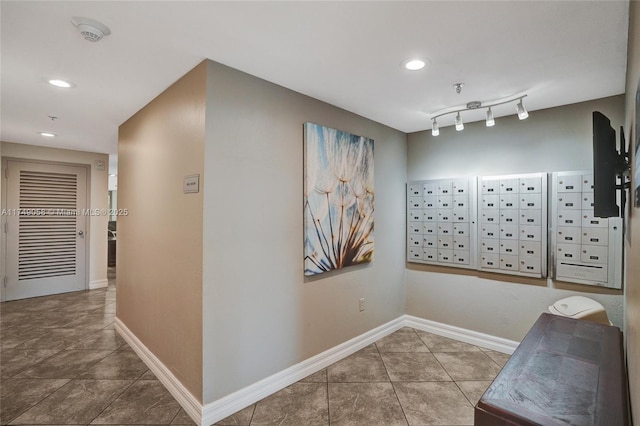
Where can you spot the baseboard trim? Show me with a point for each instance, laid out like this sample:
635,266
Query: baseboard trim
98,284
215,411
469,336
187,401
226,406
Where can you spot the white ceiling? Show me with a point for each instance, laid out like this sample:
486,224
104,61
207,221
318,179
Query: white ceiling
349,54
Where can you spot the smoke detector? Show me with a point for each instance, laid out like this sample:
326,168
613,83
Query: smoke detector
90,29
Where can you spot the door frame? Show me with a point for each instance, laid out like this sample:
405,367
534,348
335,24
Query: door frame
3,219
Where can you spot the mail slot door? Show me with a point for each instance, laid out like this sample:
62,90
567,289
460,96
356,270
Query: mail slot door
530,265
490,201
587,183
415,241
415,190
460,215
490,260
430,241
430,255
508,217
531,217
594,254
530,185
415,228
530,233
509,201
445,215
415,215
569,234
566,252
571,183
509,263
445,228
569,217
491,186
461,229
461,201
590,221
430,215
430,202
415,202
489,245
570,201
445,256
445,242
530,201
460,243
460,187
587,201
530,249
509,247
508,232
445,202
445,187
461,257
490,230
595,236
430,228
490,216
509,186
429,189
414,253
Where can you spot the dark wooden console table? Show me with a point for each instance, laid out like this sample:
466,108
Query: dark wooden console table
565,372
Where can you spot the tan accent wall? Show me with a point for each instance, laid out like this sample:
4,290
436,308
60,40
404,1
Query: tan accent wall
159,252
632,289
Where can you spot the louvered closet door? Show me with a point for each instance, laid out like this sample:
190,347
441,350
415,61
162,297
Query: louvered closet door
46,232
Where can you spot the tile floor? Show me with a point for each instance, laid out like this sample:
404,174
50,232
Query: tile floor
62,363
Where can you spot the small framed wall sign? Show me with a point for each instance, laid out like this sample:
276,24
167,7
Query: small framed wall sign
191,184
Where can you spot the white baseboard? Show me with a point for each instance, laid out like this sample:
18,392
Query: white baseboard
189,403
224,407
468,336
98,284
217,410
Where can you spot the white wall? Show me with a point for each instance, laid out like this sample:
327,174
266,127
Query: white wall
260,314
549,140
97,199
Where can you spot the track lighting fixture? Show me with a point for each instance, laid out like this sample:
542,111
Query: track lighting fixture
459,124
490,121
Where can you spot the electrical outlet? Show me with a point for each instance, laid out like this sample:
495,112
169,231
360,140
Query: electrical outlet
362,304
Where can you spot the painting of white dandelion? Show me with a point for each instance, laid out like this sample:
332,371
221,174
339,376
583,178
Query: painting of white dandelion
338,199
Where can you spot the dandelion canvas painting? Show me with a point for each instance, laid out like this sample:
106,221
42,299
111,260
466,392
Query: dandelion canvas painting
338,199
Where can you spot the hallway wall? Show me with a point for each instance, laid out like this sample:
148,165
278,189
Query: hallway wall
261,315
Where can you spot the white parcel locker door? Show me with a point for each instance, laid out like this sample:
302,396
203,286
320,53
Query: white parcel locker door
461,215
461,257
587,182
530,233
415,241
445,242
430,228
415,215
461,243
530,265
445,215
415,228
587,201
461,201
445,202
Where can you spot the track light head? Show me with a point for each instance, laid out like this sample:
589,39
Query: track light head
521,110
490,121
435,129
459,124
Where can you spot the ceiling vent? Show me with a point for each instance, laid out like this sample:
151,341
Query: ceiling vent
90,29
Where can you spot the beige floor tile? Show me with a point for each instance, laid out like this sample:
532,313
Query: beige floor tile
434,403
18,395
359,367
296,405
241,418
468,365
414,367
499,358
437,343
364,404
473,390
401,341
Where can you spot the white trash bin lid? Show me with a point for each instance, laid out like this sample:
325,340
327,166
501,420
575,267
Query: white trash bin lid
576,307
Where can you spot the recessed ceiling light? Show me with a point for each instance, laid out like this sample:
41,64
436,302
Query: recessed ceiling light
60,83
414,64
47,134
